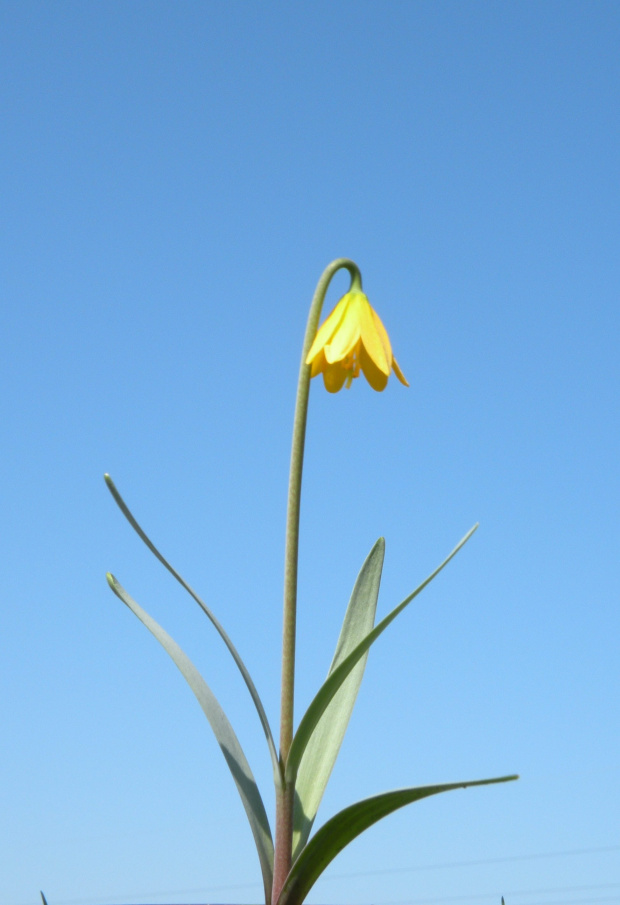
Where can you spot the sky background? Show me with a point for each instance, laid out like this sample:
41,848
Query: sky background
175,177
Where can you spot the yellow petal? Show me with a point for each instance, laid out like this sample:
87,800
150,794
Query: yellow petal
327,328
346,336
399,373
383,336
375,377
334,377
371,338
318,363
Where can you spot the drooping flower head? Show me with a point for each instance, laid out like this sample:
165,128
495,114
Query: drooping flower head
351,339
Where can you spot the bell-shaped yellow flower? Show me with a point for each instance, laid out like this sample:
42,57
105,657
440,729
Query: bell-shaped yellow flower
351,339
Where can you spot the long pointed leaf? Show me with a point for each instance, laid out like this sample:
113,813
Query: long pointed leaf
225,734
322,749
349,823
218,626
333,682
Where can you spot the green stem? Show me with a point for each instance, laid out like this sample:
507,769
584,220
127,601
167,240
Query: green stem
285,797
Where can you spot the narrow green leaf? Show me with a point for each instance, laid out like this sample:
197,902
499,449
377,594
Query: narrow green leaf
322,749
44,899
349,823
228,741
275,762
335,679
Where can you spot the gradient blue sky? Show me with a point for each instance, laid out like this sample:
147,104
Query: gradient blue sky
175,176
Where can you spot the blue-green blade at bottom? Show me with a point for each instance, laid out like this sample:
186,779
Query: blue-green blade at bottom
341,829
225,734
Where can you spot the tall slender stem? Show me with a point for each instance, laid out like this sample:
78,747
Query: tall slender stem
285,796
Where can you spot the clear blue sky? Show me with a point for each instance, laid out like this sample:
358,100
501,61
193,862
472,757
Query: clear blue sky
175,176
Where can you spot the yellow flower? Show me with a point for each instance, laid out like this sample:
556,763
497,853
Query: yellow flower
350,339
